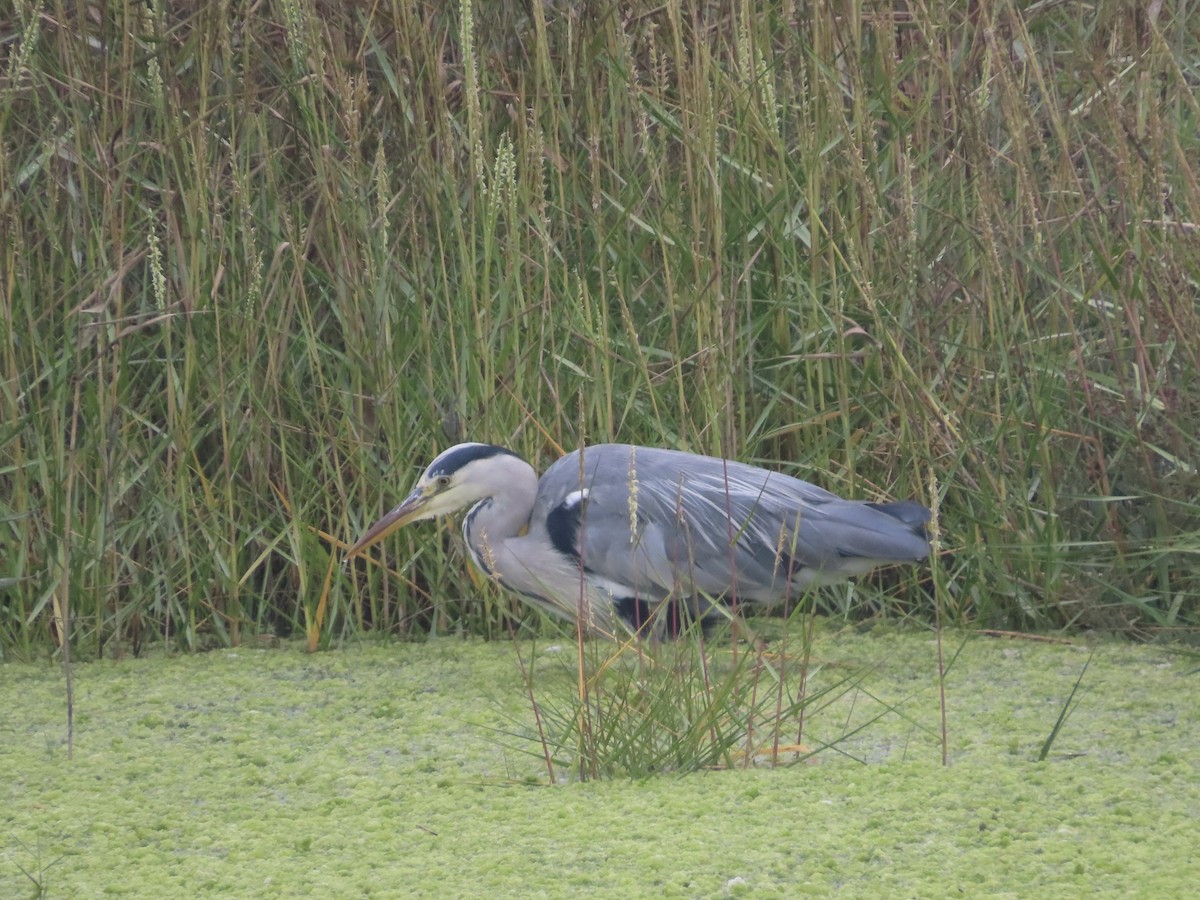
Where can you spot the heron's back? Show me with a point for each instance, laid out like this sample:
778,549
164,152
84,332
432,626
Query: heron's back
657,522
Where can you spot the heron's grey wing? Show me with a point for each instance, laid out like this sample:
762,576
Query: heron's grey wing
724,528
661,522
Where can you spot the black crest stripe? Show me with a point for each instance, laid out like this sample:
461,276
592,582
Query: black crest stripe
453,460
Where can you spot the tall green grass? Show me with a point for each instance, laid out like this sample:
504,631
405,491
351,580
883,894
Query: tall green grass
259,262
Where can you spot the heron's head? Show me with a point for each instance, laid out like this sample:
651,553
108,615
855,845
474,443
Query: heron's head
460,476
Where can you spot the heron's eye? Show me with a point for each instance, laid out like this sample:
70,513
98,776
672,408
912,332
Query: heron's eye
443,481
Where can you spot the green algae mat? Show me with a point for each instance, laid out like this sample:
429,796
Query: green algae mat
401,770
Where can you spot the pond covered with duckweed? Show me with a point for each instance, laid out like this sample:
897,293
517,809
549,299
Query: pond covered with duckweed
411,770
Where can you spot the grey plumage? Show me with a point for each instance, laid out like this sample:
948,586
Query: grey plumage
612,532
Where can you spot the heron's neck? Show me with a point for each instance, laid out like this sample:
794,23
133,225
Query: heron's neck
497,519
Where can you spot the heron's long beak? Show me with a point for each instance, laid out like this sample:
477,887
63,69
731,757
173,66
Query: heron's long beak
408,511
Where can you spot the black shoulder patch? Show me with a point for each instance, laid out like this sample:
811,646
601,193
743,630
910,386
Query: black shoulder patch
562,524
456,457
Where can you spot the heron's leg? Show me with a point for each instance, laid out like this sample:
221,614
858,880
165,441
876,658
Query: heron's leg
634,612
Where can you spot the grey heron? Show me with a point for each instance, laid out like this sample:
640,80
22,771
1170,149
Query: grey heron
612,532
